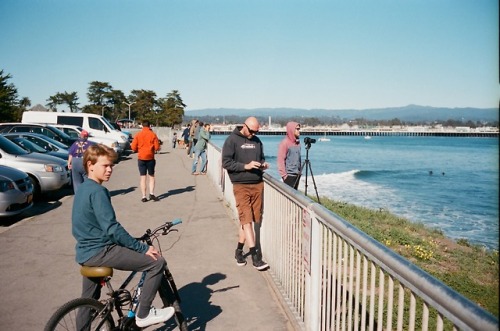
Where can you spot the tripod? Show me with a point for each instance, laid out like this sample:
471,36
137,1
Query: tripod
308,167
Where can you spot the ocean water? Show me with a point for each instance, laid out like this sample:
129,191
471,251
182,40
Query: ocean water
447,183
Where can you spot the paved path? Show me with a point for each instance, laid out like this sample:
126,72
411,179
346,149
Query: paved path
38,272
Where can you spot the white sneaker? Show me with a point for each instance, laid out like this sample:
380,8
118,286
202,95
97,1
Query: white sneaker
155,316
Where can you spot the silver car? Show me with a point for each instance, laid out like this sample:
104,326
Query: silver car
47,173
43,144
16,191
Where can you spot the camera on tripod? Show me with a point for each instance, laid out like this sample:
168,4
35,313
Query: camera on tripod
307,167
308,141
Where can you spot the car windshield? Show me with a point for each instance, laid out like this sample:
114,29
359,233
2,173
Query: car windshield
54,142
11,148
108,123
27,145
61,134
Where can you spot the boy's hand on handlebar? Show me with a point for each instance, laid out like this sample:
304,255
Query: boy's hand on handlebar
153,252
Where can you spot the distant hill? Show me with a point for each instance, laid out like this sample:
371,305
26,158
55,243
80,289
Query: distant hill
410,113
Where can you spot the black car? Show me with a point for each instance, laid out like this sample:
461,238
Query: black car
46,130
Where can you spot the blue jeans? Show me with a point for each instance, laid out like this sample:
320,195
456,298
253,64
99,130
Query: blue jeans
78,173
197,155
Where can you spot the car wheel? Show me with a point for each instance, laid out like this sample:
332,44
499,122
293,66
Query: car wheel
37,191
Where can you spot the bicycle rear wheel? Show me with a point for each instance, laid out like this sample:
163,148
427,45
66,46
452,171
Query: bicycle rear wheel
65,318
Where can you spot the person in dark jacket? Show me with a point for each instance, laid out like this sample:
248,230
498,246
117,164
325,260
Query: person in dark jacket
243,158
185,135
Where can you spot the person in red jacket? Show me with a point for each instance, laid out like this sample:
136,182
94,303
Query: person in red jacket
146,143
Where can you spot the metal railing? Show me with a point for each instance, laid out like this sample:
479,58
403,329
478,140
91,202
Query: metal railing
335,277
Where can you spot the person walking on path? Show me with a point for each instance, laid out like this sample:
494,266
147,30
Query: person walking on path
75,159
185,135
174,140
146,143
200,150
243,158
289,160
192,132
197,130
102,241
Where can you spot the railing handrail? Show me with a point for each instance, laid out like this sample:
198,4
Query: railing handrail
462,312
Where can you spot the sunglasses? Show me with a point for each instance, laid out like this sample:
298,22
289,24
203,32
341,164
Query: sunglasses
298,129
251,131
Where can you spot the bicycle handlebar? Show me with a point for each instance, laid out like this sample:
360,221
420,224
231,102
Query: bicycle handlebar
165,228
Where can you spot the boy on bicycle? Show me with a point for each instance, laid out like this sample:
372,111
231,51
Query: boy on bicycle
102,241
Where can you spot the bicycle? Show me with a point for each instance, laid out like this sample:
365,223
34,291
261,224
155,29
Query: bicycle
120,301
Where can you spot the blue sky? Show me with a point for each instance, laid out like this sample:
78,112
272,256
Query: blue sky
258,53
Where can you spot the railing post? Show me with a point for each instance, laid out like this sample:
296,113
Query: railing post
313,278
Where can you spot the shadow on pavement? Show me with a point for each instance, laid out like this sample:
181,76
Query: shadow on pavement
196,303
123,191
177,191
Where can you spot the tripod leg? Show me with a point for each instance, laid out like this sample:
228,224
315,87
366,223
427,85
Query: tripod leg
314,182
297,180
307,168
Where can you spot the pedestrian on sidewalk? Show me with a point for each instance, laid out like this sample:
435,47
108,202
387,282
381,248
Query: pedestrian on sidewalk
185,135
200,150
102,241
75,159
243,158
174,140
146,143
289,160
192,132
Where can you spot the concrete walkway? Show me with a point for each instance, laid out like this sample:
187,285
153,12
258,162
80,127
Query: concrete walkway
38,272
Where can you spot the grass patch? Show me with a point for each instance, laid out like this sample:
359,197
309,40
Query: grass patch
469,269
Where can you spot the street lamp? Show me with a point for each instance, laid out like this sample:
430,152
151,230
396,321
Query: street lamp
129,104
103,110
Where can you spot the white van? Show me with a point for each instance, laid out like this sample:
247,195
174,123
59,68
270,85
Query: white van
74,132
96,125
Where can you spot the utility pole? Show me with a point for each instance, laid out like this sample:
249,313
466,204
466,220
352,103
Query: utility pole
129,104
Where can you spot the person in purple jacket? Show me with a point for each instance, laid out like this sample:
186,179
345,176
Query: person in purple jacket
289,160
75,159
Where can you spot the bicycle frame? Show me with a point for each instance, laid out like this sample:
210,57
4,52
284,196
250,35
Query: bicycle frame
122,300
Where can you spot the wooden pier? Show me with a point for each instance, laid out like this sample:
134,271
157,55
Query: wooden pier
373,133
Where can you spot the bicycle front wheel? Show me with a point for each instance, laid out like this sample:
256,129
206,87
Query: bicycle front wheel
82,314
170,297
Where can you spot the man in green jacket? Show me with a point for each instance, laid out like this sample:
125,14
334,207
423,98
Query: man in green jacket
200,149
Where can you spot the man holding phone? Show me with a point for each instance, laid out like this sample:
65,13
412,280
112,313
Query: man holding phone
243,158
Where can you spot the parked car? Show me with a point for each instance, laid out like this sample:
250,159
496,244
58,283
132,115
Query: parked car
117,127
96,125
48,144
47,173
28,144
74,132
46,130
16,191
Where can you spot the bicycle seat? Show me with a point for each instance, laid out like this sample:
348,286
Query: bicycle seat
96,271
